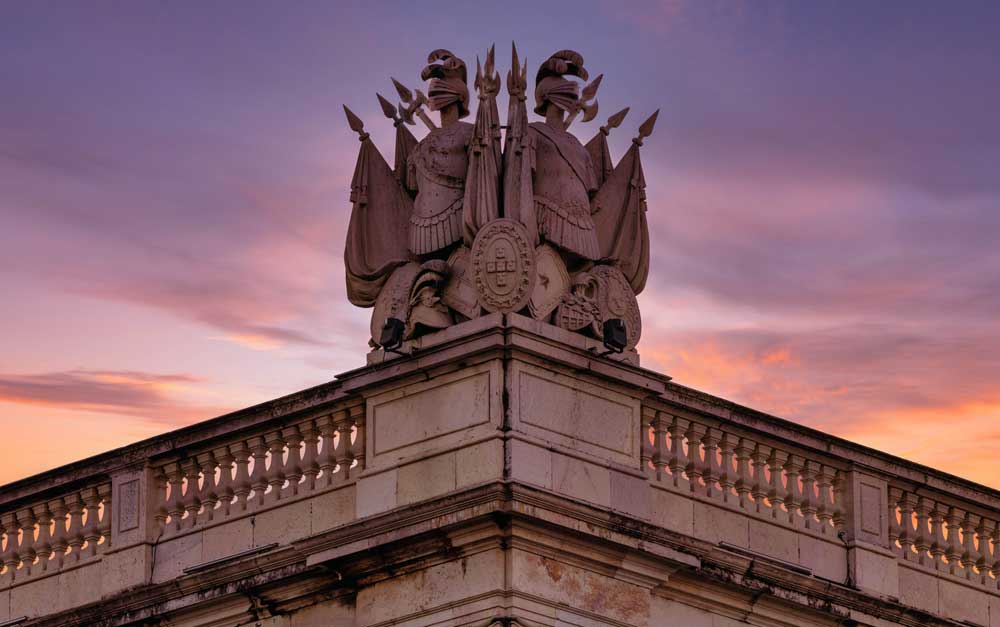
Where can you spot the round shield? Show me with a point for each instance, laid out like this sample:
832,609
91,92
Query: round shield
551,282
615,299
503,265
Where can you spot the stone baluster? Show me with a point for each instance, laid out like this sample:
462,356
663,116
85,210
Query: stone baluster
839,501
91,530
938,545
807,503
310,459
983,534
104,525
776,494
994,561
293,465
60,541
727,474
328,456
744,482
711,465
895,496
678,459
43,545
970,556
175,507
759,456
793,495
162,497
646,445
824,507
276,471
192,504
242,483
225,488
343,451
258,480
696,466
75,537
209,492
26,518
922,538
661,453
358,444
11,557
953,551
907,533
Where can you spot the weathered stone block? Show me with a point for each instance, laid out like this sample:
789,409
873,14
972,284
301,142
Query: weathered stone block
875,573
962,603
672,511
826,559
124,569
174,555
427,478
227,539
581,480
37,597
670,613
718,524
774,541
333,508
282,524
630,495
439,587
479,463
530,464
326,614
918,589
578,588
376,493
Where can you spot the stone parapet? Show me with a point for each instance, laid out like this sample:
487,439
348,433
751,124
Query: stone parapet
502,469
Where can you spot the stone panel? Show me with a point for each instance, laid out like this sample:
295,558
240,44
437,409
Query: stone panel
669,613
124,569
530,464
38,597
376,493
875,573
174,555
479,463
630,495
421,417
333,509
576,414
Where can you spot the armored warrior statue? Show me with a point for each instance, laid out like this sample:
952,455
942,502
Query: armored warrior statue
562,180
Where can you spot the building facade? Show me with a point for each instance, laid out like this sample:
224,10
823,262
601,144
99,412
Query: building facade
502,472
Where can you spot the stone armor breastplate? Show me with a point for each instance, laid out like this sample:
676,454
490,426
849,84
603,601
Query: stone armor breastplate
439,166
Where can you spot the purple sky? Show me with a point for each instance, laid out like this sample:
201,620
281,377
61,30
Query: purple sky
824,186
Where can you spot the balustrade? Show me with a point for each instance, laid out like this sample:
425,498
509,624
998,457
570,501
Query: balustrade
52,534
260,470
788,487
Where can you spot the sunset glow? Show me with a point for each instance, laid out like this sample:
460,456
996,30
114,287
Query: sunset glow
824,201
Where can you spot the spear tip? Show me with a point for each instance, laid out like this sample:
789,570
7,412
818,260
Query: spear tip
354,121
646,129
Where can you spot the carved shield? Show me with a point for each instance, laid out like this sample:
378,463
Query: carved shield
615,299
394,299
503,266
551,282
460,291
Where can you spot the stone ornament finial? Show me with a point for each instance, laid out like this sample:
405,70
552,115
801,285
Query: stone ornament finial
473,219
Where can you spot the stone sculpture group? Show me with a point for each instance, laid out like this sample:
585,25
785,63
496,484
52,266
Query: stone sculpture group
467,222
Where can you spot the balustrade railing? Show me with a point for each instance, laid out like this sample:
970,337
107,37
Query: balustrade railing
790,487
261,470
940,534
55,533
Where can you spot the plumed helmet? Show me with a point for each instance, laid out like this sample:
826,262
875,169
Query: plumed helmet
550,86
449,81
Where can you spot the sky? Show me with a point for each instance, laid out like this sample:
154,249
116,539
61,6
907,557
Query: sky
823,186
